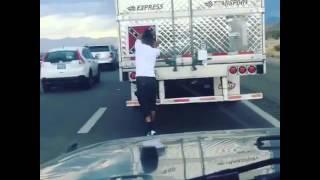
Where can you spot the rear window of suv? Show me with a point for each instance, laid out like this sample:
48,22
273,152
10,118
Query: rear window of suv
99,48
64,56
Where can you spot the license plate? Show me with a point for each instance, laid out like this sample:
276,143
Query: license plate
61,66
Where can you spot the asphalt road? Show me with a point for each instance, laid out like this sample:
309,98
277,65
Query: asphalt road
63,112
269,84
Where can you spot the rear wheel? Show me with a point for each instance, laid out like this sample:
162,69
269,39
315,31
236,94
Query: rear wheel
97,78
89,81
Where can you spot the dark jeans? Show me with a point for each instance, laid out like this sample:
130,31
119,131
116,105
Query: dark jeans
147,94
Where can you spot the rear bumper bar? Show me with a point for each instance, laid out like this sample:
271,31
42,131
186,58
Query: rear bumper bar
201,99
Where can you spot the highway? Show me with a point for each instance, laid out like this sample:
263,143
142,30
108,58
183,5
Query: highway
73,115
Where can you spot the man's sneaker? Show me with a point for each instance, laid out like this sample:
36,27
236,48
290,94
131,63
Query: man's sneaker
151,133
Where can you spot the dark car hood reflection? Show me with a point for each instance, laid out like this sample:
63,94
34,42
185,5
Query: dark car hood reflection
184,155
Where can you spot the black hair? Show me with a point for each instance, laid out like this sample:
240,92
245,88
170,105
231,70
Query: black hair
148,37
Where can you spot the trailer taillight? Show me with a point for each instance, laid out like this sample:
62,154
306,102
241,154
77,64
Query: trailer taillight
81,60
252,69
242,69
181,100
133,75
233,70
44,58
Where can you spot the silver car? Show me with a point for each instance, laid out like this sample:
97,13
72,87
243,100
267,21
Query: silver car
106,56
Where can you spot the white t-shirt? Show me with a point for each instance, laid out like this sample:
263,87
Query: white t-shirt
146,57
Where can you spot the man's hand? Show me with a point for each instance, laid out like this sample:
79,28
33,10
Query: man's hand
156,44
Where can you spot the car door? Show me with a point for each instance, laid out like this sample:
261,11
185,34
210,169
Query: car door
93,62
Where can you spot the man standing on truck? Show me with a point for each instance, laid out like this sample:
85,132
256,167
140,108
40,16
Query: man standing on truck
146,53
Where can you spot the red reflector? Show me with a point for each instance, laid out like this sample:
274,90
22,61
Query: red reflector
242,69
81,60
133,75
246,52
219,54
233,70
252,69
181,100
234,97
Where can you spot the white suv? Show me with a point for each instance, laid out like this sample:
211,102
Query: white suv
106,56
69,65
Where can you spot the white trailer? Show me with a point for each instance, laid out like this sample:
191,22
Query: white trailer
215,40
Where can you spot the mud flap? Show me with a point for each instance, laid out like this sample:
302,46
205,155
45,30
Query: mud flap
233,85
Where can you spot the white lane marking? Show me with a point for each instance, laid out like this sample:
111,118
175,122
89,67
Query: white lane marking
262,113
275,122
92,121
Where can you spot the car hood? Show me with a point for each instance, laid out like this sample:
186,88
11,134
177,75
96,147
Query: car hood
183,155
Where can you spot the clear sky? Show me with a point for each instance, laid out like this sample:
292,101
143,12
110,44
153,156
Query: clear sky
92,18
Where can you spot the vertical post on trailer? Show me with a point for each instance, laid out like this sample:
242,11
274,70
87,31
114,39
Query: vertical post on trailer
194,61
174,38
224,83
162,95
213,87
265,66
119,43
264,37
263,29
